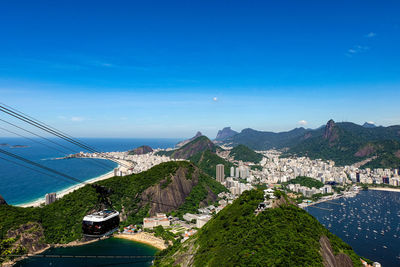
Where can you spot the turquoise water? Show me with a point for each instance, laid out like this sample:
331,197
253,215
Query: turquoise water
19,185
107,247
369,223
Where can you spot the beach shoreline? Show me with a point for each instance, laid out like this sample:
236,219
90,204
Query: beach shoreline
390,189
145,238
66,191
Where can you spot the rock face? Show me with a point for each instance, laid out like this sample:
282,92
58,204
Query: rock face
331,133
29,236
181,144
171,192
369,125
225,134
141,150
195,146
2,201
329,258
365,151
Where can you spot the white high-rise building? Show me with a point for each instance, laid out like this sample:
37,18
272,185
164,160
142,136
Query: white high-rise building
50,198
232,171
220,173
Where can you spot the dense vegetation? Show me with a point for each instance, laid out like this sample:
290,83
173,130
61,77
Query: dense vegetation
283,236
199,194
7,248
305,181
245,154
62,220
259,140
352,143
347,147
207,161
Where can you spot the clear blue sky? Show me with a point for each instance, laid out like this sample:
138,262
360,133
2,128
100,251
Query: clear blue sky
170,68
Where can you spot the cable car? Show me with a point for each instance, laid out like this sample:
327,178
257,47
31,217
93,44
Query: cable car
100,223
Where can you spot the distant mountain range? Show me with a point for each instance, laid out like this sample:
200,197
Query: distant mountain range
343,142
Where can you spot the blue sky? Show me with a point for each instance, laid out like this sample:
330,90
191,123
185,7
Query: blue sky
170,68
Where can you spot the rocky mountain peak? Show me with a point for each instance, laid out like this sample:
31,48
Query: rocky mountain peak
184,142
225,133
369,125
330,125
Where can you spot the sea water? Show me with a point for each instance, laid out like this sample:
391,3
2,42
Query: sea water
19,185
369,223
107,247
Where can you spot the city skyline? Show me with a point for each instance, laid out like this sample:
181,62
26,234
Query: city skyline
170,69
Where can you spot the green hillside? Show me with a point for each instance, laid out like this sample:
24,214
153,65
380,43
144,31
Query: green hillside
348,143
207,161
305,181
195,146
282,236
245,154
260,140
61,220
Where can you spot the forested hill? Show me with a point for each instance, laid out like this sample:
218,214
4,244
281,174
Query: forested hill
281,236
191,148
347,143
260,140
177,184
344,142
245,154
202,152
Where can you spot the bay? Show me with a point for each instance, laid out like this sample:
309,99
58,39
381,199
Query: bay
108,247
368,222
19,185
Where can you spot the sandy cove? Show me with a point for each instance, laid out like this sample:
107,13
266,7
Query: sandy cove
145,238
385,189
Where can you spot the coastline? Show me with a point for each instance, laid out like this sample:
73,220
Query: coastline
66,191
145,238
385,189
71,244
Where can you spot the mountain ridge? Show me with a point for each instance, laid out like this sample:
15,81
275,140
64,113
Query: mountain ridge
344,142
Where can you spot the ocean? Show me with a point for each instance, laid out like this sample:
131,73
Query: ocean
19,185
108,247
369,223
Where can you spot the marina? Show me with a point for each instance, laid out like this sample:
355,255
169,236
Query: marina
368,222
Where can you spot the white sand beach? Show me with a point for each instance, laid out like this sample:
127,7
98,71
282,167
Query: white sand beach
145,238
385,189
60,194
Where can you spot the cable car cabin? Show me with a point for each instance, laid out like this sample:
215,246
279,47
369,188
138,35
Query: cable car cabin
100,223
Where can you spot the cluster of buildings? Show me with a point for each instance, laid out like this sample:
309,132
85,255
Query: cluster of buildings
374,176
159,220
131,229
242,171
309,192
201,219
232,183
279,170
128,164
